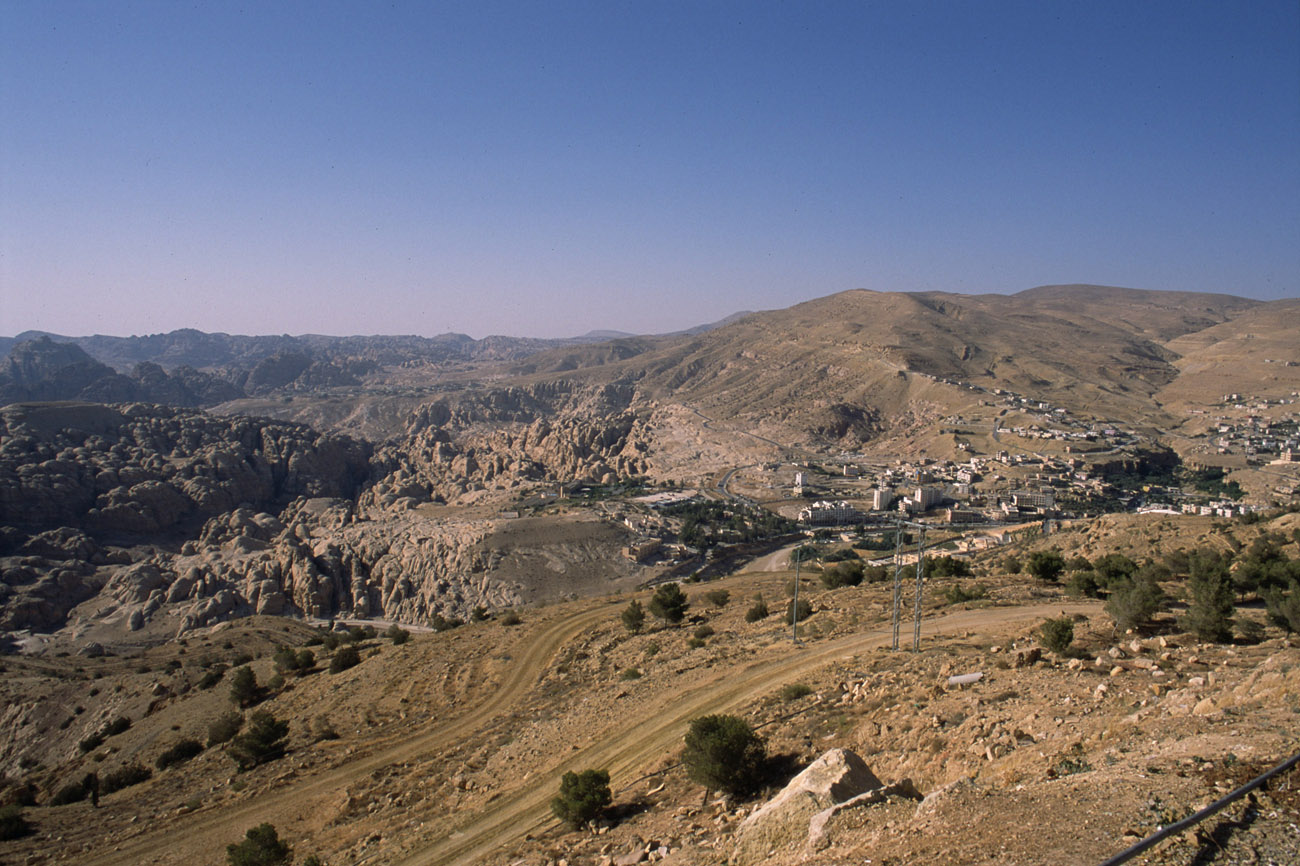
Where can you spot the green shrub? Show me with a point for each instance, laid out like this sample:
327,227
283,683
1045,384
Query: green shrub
1134,602
124,777
875,573
805,610
397,634
1284,606
117,726
212,677
1046,565
478,614
583,796
718,597
696,642
12,823
261,847
244,691
669,603
630,674
71,793
438,622
1209,615
794,691
723,753
633,616
1011,564
957,594
264,741
323,729
1083,584
1057,634
91,743
344,657
223,728
704,631
757,611
841,575
511,617
179,753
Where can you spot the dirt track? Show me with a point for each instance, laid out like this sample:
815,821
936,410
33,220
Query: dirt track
627,750
192,839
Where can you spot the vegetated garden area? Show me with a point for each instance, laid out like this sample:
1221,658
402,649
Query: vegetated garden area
708,523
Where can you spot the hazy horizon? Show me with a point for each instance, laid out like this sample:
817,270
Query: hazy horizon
549,170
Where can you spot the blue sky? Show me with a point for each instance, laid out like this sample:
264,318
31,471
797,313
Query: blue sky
544,169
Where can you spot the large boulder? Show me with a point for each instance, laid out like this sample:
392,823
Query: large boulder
782,824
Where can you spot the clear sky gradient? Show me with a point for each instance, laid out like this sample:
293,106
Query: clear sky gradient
548,168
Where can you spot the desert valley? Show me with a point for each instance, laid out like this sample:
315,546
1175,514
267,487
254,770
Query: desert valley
993,578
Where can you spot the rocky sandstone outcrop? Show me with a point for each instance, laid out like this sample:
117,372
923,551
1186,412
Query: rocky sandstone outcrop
785,822
146,469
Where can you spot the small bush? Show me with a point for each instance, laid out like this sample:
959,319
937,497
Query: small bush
633,616
804,611
696,643
723,753
630,674
1083,584
583,796
704,631
669,603
322,729
1134,602
1249,631
344,658
124,777
794,691
438,622
718,597
212,677
117,726
957,594
758,610
244,691
1057,634
241,659
72,793
511,617
264,741
223,728
179,754
478,614
397,634
261,847
843,574
91,743
12,823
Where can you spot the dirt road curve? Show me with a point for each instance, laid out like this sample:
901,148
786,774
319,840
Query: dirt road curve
202,833
628,749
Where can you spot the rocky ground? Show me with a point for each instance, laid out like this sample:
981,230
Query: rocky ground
450,746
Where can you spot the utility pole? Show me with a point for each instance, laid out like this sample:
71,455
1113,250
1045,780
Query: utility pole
898,578
898,582
920,576
794,611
